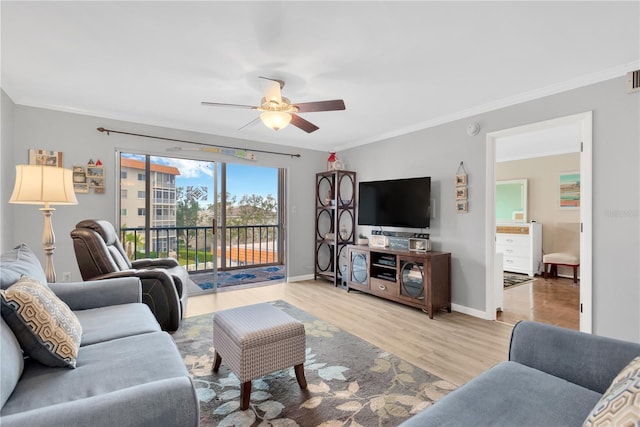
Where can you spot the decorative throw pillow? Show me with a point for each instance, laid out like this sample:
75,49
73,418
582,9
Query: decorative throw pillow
45,327
620,404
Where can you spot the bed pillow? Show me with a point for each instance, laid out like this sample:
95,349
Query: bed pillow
620,404
47,330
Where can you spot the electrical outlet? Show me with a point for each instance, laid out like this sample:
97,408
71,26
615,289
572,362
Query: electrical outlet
66,276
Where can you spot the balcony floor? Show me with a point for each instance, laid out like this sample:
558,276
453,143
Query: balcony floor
233,279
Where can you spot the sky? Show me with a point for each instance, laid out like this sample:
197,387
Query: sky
241,179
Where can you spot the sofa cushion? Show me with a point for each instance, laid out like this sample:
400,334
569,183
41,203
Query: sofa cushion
104,368
45,327
19,261
12,362
620,404
115,321
510,394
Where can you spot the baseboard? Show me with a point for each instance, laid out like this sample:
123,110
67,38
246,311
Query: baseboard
300,278
470,311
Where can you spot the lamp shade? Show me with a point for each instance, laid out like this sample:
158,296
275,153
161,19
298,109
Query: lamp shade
42,185
275,120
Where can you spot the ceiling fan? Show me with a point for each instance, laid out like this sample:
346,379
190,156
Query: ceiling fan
278,111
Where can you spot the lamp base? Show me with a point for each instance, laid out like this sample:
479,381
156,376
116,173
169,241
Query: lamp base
48,244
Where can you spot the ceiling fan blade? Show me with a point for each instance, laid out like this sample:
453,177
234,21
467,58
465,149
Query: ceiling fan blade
308,107
280,82
219,104
303,124
251,123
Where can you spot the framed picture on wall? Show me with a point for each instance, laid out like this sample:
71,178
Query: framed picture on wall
462,206
45,157
569,190
81,187
461,193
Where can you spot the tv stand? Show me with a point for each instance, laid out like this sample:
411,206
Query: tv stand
417,279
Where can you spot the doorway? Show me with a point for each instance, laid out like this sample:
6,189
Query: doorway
583,124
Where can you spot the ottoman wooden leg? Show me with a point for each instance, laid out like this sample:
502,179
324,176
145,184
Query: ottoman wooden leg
302,381
245,394
217,361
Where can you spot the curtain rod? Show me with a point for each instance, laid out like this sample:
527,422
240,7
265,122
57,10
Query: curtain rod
109,131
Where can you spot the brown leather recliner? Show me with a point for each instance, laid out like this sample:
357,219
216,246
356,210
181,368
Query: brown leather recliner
100,255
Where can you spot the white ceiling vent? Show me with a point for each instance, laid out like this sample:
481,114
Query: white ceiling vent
633,77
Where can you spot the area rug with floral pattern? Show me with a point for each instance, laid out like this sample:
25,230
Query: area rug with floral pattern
350,382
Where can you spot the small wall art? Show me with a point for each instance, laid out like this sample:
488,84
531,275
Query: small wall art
45,157
462,206
569,190
462,194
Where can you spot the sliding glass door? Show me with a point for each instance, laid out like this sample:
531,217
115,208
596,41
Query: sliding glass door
174,207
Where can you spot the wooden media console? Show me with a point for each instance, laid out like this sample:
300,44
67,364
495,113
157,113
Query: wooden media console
418,279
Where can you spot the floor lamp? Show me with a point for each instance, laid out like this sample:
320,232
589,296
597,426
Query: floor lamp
44,185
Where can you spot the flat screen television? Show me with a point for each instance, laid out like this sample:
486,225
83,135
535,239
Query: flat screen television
395,202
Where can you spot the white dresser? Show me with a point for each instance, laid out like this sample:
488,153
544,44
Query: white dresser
521,247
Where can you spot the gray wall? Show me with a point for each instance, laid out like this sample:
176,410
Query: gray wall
438,151
76,136
7,170
435,152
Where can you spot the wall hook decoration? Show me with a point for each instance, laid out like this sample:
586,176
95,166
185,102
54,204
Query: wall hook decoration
462,205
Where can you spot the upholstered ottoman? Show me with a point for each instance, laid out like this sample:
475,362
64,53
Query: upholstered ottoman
255,340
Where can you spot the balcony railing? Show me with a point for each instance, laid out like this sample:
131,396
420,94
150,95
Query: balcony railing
193,247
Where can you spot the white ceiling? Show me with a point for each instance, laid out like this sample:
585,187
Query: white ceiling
399,66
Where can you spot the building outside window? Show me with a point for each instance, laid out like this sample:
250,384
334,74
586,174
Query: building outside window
163,201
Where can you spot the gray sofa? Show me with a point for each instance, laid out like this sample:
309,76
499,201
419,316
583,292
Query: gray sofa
554,377
128,371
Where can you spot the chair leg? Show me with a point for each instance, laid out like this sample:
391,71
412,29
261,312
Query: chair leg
217,361
302,381
245,394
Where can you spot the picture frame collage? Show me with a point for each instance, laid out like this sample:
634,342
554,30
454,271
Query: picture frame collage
85,178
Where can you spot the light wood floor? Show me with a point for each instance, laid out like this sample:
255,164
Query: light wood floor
453,346
555,301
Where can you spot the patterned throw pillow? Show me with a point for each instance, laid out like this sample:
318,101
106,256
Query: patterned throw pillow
45,327
620,404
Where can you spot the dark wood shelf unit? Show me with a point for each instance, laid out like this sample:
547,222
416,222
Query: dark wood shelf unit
335,201
418,279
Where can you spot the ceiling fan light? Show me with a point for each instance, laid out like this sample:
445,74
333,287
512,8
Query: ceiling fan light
275,120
